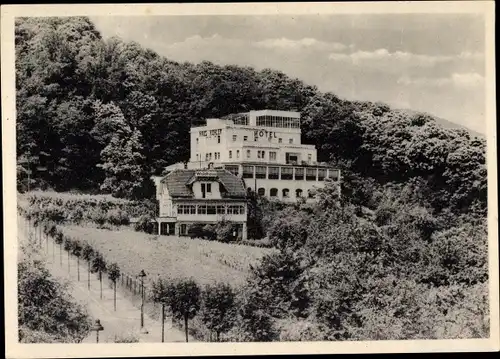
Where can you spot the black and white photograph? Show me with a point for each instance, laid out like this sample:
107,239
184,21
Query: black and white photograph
221,174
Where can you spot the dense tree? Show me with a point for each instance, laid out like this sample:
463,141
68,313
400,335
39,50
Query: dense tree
218,308
46,311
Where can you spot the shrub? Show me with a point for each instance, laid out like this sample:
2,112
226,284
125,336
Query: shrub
195,230
51,317
118,217
209,232
225,230
126,338
145,223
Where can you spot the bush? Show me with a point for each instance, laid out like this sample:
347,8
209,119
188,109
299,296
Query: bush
225,230
51,317
118,217
195,230
145,223
209,232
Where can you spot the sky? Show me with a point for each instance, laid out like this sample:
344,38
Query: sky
425,62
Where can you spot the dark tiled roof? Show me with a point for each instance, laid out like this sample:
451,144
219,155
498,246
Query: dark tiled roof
179,182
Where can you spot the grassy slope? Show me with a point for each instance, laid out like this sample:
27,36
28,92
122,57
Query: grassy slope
169,256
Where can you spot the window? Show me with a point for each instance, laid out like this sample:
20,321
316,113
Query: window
197,140
260,172
248,154
183,229
274,173
221,209
237,153
258,154
211,209
209,187
245,138
309,158
234,138
218,139
286,192
261,192
247,171
235,209
274,192
311,174
206,157
286,173
186,209
321,174
202,209
233,169
230,154
290,140
299,173
272,156
263,154
298,193
280,140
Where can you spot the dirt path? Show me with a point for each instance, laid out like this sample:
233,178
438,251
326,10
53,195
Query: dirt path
123,322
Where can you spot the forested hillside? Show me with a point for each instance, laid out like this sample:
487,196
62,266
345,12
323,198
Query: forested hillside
403,255
105,115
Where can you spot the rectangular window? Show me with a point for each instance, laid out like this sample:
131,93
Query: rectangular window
321,174
234,138
248,154
280,140
290,140
233,169
202,209
218,139
235,209
206,156
211,209
245,138
309,158
286,173
221,209
260,172
237,153
272,156
258,154
230,154
311,174
209,187
274,173
192,209
299,173
263,154
247,171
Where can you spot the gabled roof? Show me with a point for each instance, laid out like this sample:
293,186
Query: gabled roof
179,182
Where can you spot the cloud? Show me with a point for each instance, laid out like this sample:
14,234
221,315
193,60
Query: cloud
305,43
461,80
399,61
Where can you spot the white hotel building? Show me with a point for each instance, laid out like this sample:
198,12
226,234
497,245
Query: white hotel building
264,148
261,148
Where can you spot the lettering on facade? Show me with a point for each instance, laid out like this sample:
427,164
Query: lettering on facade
264,133
211,133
